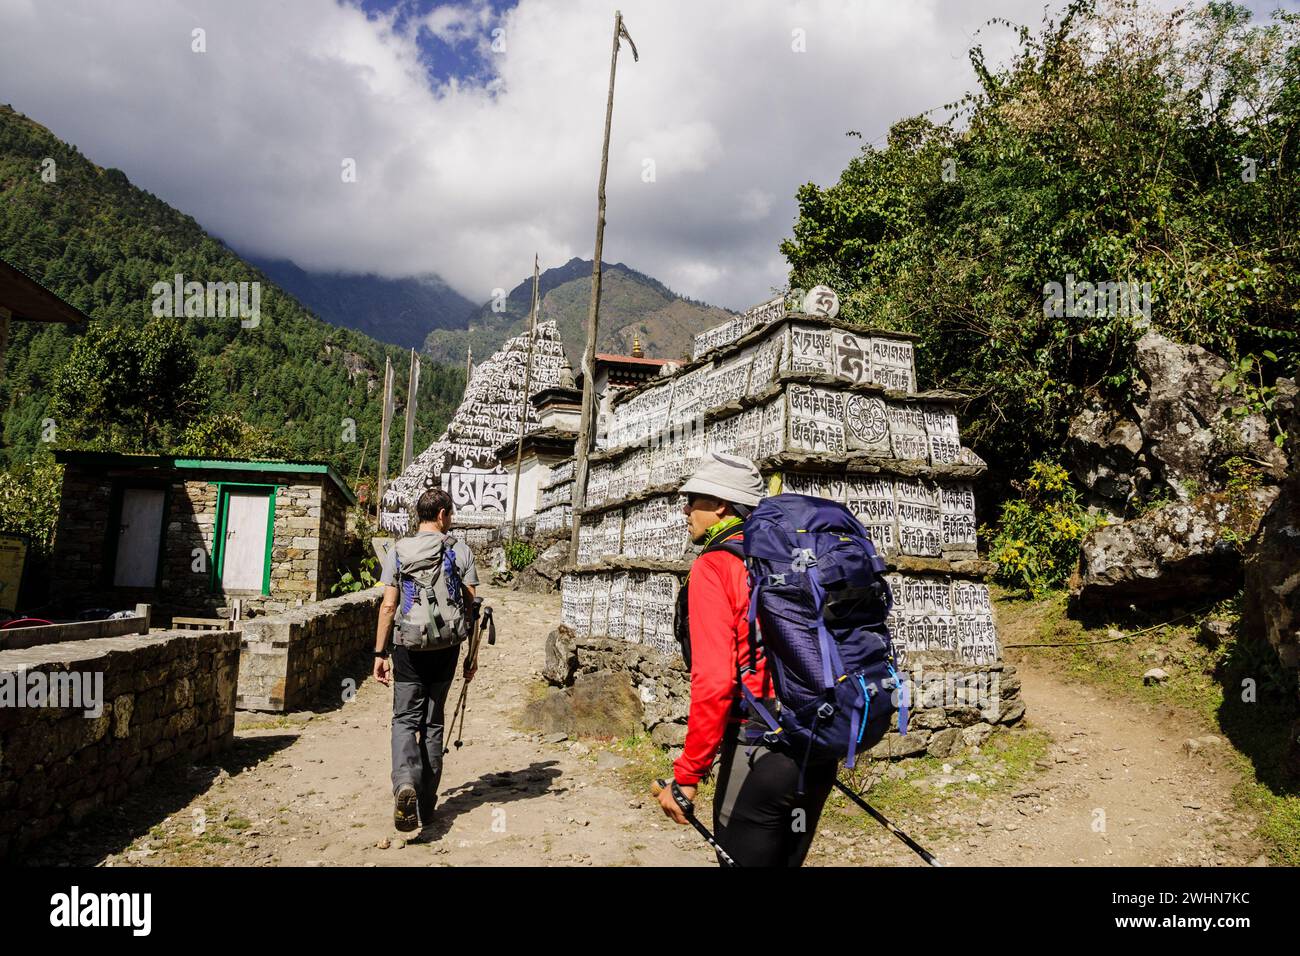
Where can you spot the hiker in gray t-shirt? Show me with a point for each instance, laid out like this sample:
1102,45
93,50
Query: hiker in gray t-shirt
421,678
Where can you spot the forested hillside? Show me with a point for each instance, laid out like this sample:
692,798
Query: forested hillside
101,243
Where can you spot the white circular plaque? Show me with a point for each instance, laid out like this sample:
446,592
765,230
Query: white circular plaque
821,300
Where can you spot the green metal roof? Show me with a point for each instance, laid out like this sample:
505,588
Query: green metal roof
279,466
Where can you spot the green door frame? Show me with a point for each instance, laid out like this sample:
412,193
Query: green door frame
219,550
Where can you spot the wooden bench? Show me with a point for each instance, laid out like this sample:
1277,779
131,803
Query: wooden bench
202,624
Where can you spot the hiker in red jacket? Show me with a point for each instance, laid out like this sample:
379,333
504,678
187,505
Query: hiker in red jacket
758,817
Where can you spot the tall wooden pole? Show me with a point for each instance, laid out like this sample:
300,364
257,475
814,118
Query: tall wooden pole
412,390
585,428
469,364
528,380
383,434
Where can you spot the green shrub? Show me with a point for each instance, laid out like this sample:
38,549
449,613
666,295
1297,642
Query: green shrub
1036,542
29,500
366,577
519,554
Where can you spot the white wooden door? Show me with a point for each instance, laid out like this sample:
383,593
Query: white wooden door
244,558
139,534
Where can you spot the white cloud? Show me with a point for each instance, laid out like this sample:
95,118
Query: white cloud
467,182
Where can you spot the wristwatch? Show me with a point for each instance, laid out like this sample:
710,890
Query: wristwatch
383,653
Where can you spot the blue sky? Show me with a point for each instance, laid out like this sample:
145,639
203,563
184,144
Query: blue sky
447,56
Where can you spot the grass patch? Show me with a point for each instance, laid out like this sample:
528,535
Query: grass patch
646,762
271,723
1003,764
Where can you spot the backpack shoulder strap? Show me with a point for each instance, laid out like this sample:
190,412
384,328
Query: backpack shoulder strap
729,542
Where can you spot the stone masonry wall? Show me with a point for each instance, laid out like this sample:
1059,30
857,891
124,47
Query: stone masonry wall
333,538
78,561
287,659
295,549
949,710
191,523
165,696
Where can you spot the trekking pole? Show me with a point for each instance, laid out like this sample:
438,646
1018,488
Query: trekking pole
880,818
471,661
688,809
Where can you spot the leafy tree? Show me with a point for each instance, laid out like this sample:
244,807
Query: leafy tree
127,389
228,436
1120,144
29,500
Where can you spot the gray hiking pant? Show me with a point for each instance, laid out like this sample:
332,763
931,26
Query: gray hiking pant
418,718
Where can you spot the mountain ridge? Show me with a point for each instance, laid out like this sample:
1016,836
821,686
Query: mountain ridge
633,306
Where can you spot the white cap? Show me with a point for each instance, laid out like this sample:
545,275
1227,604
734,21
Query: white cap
728,478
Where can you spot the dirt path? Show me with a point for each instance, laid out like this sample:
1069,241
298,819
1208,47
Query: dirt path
312,789
1113,787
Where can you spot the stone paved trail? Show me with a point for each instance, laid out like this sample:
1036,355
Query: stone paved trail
312,789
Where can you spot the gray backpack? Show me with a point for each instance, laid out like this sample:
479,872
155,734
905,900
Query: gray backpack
431,598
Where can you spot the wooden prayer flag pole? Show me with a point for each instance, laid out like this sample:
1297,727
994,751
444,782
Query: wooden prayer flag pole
585,428
412,390
528,379
383,434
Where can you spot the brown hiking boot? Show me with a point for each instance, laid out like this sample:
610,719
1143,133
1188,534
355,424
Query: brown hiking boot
405,808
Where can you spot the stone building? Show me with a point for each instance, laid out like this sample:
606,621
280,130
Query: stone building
192,534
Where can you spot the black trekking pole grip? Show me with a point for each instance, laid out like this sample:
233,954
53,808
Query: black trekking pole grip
883,821
688,810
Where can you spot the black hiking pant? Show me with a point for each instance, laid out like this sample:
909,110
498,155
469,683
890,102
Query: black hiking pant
759,817
421,681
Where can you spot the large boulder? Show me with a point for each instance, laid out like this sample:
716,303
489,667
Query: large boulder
1184,551
599,704
561,656
1185,416
1271,601
1104,446
1176,433
543,575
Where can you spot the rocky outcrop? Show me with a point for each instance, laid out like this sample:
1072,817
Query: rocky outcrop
1174,435
543,575
599,704
1104,447
1271,601
1183,551
561,657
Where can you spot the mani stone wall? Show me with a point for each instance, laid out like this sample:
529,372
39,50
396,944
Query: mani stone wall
493,412
823,410
287,660
555,500
165,696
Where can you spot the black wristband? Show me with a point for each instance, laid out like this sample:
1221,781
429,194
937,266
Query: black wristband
383,653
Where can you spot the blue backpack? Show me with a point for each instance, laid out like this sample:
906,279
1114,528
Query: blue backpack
820,599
